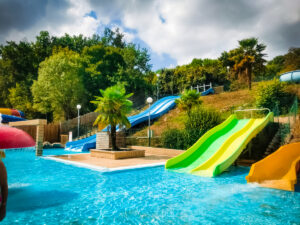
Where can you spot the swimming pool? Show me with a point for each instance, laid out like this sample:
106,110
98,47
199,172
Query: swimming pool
43,191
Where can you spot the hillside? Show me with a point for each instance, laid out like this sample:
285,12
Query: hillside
224,102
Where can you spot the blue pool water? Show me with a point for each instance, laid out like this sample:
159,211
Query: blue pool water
48,192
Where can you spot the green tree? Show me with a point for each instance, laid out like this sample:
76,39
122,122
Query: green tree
59,86
274,66
248,57
113,107
292,60
273,92
188,100
113,38
102,68
20,98
199,71
18,64
136,72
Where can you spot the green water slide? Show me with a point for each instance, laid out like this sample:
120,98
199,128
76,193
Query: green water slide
218,148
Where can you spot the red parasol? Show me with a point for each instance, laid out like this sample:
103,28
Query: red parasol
11,137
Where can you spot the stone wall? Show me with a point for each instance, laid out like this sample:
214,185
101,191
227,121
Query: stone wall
103,140
117,154
64,139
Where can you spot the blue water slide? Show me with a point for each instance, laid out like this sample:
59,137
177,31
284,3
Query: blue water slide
207,92
9,118
159,108
292,76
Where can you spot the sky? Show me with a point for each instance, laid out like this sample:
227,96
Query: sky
174,31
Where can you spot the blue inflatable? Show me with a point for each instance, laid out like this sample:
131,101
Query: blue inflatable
292,76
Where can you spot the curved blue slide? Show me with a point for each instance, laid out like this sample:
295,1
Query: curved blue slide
208,91
9,118
291,76
159,108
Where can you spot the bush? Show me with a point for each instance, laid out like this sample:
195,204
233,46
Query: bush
237,85
188,100
199,122
174,138
271,93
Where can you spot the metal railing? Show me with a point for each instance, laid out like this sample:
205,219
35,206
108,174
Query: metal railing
286,122
251,111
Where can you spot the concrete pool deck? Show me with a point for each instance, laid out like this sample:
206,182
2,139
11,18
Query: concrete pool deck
153,157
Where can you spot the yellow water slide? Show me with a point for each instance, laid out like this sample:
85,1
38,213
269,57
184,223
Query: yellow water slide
231,148
218,148
278,170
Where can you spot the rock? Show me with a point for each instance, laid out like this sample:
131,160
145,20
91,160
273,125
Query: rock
57,145
47,144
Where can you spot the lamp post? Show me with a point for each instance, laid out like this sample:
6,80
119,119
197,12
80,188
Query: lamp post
157,85
78,108
149,101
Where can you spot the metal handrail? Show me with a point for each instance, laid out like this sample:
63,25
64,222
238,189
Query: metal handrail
251,110
261,109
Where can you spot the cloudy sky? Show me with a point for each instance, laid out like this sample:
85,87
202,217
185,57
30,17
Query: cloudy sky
174,31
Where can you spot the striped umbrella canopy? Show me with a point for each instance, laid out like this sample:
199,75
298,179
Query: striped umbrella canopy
11,137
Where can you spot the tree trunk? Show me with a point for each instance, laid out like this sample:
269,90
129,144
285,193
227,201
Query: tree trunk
249,75
113,138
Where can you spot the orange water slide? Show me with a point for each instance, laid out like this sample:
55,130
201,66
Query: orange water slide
278,170
11,112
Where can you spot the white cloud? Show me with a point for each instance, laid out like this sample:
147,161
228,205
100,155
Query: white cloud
182,29
73,21
194,29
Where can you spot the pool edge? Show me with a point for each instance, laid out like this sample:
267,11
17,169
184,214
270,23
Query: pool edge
104,169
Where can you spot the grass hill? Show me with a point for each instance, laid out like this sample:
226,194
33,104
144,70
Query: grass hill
225,102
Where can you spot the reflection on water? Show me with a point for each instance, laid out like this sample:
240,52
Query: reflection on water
48,192
26,198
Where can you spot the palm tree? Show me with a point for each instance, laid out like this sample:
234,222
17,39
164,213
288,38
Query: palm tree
113,107
248,55
188,100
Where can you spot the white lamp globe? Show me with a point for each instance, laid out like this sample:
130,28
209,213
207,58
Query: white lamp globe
78,106
149,100
157,75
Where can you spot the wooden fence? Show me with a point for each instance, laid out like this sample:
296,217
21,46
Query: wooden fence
86,124
51,134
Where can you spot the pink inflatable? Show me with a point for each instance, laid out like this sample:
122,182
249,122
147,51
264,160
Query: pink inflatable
11,137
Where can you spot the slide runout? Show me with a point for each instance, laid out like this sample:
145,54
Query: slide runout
278,170
207,145
232,148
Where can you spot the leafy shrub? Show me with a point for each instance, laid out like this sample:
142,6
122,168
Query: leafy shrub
188,100
271,93
199,122
237,85
174,138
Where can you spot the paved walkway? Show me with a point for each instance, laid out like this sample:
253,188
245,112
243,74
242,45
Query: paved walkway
152,156
111,163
